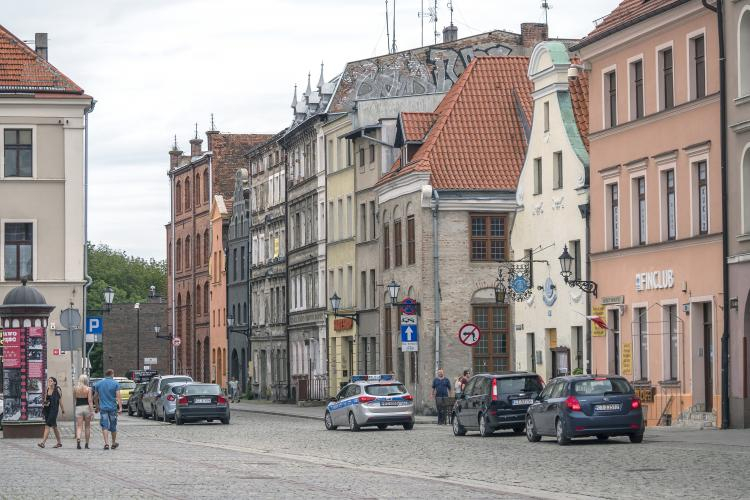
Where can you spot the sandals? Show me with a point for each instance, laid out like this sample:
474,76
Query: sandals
58,445
106,446
41,445
115,445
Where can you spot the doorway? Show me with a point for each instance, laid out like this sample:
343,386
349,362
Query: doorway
708,356
614,328
531,351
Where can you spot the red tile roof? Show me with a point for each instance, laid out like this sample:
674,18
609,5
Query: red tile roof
629,12
478,141
579,95
416,125
22,71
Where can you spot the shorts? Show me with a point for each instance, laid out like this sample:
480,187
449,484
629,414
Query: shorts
82,411
108,420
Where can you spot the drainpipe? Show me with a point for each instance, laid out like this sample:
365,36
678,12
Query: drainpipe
436,272
89,281
719,9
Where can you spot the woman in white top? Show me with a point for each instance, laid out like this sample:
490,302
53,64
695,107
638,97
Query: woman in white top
84,409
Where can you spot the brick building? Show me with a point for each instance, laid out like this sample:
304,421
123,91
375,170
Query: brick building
124,326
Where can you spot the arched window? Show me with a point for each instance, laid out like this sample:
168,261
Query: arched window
197,196
178,198
187,252
198,302
244,313
198,260
206,297
746,187
178,333
178,251
205,247
743,53
205,185
187,194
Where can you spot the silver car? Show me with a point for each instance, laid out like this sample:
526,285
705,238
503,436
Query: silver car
371,400
166,403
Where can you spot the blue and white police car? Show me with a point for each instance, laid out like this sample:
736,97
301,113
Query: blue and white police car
369,401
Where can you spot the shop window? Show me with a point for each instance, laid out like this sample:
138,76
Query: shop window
641,327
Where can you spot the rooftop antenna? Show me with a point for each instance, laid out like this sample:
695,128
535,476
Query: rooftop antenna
212,122
434,19
450,6
393,40
546,6
196,130
420,15
387,33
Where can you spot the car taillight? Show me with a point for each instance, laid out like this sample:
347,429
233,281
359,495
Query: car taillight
221,400
367,399
635,403
182,401
408,397
573,404
494,389
170,397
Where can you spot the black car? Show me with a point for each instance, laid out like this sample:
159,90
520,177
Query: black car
494,401
134,401
586,406
201,402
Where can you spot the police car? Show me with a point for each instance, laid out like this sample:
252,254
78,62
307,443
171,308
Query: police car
371,400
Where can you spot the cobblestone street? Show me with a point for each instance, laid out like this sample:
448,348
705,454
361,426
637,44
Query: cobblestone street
260,455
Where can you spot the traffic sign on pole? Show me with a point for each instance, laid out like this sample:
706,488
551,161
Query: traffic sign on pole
409,332
176,341
469,334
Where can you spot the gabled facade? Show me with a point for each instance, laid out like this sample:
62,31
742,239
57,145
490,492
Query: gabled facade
217,341
551,325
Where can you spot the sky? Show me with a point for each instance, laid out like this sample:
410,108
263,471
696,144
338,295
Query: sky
158,67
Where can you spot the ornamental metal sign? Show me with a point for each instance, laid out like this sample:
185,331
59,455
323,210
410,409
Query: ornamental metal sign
519,282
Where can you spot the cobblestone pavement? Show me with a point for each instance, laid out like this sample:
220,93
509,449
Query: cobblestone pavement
273,456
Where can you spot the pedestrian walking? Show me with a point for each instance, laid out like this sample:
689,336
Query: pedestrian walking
84,410
461,382
441,390
52,404
110,405
234,390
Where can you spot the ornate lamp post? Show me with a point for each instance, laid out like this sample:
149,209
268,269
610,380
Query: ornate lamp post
566,264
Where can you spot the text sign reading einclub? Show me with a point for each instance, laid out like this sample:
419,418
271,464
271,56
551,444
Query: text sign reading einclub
469,334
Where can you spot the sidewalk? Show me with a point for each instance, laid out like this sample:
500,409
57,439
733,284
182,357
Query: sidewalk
292,410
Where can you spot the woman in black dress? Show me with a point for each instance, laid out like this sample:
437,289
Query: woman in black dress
52,403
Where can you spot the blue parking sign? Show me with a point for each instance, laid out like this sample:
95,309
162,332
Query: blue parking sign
94,325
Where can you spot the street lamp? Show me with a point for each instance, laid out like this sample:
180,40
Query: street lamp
109,296
336,305
566,265
393,288
499,292
230,320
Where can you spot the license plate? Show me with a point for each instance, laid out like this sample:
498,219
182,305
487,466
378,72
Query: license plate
390,403
611,407
202,401
522,402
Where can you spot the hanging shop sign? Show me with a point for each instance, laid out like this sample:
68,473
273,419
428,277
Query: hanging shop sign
627,358
597,330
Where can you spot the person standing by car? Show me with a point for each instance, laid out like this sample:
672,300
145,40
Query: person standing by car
441,389
52,404
84,409
461,382
234,390
110,405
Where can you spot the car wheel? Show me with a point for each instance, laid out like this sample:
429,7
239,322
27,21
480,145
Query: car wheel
130,411
485,429
458,429
225,421
636,438
353,425
409,426
382,427
562,437
531,434
602,437
329,421
178,420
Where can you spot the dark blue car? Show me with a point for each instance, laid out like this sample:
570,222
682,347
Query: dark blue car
586,406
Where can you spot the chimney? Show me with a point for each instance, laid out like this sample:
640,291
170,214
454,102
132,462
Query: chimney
40,45
450,33
532,34
211,133
174,155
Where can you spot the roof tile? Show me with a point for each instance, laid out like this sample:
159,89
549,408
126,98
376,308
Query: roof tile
417,125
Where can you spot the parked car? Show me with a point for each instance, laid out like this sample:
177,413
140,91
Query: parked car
134,401
126,388
586,405
201,402
154,389
494,401
166,404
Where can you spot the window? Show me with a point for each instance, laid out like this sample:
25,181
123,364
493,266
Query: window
488,238
361,157
386,247
614,215
205,247
372,153
546,116
340,219
205,185
178,254
641,318
198,250
537,176
372,220
491,354
349,217
187,194
743,48
610,99
373,288
698,69
197,196
636,90
187,252
242,263
702,174
362,289
671,220
19,255
362,222
557,171
178,197
666,71
18,153
198,300
640,190
397,243
575,251
411,251
205,297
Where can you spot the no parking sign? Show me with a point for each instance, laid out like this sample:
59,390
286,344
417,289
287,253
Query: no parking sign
469,334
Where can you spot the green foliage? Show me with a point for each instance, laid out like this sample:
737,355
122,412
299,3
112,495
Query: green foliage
130,277
578,371
97,366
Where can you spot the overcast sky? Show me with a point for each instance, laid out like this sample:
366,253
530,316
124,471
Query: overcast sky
156,67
